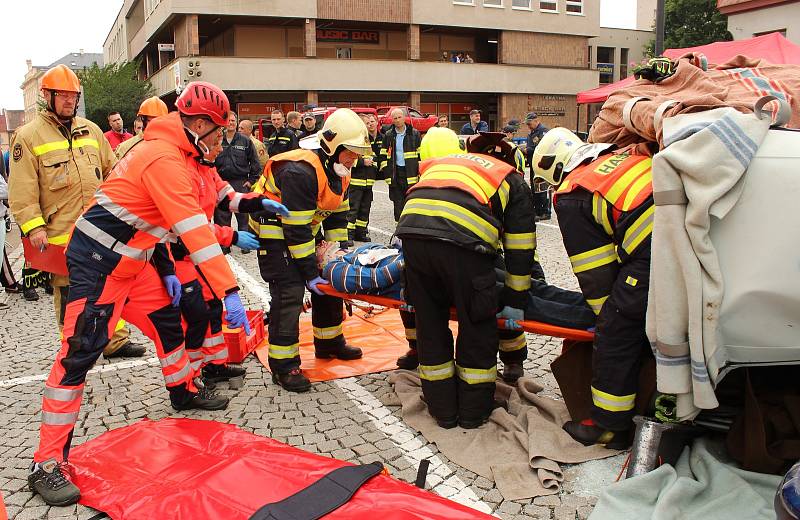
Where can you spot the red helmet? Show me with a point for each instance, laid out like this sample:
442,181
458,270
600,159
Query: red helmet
200,98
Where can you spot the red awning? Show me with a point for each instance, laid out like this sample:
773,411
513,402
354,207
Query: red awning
772,47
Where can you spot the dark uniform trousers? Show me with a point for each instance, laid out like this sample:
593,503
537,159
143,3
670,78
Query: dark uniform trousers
360,206
287,290
397,191
434,284
620,340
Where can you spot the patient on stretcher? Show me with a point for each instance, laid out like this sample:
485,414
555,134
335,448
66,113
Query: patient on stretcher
377,270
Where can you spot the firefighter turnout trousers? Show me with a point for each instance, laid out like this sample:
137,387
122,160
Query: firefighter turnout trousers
360,206
463,387
96,303
287,290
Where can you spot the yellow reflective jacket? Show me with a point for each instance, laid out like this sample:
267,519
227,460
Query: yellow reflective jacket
55,172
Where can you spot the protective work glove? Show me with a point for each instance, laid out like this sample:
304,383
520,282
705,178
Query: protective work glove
512,316
246,240
312,285
275,207
173,286
236,316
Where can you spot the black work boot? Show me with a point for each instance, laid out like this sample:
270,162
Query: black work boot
362,235
345,353
512,372
30,294
217,373
409,360
127,350
206,398
588,433
293,381
48,480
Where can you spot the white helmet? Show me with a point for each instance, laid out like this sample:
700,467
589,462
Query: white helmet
342,128
552,154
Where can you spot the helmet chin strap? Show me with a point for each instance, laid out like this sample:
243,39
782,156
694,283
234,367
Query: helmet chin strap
198,140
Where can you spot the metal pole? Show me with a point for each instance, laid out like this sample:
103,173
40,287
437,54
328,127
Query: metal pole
659,48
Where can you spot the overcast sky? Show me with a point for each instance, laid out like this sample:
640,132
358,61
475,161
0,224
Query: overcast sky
46,30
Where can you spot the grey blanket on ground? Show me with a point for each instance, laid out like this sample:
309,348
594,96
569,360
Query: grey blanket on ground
519,449
699,487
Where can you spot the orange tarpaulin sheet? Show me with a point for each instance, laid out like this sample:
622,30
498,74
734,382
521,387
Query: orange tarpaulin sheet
381,336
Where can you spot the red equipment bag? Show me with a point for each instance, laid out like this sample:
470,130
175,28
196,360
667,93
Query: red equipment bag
189,469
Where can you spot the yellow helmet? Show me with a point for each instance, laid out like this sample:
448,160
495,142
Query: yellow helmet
342,128
439,142
553,153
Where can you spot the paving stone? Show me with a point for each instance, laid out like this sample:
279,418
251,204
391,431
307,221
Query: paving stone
537,512
547,500
564,513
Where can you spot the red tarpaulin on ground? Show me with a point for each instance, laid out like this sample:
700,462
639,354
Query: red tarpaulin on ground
191,469
772,47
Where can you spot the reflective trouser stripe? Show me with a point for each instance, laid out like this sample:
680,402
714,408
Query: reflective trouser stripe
178,376
195,358
57,418
172,358
351,225
336,235
519,241
596,303
284,351
411,334
412,180
65,395
437,372
303,250
213,341
328,332
639,230
475,376
510,345
222,354
518,282
593,258
361,223
613,403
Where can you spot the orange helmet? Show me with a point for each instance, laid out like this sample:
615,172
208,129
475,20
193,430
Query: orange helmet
62,78
153,107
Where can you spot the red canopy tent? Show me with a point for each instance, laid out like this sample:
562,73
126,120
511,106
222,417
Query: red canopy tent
772,47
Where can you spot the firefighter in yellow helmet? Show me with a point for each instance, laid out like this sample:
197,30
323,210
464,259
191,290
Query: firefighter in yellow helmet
57,162
312,183
604,202
455,219
150,108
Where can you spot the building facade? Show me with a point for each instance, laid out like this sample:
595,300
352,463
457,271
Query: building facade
77,61
614,50
748,18
527,55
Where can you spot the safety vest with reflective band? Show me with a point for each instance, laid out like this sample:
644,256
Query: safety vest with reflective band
477,202
149,198
55,172
298,231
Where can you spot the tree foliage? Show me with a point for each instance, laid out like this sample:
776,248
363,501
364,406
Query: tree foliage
113,88
688,23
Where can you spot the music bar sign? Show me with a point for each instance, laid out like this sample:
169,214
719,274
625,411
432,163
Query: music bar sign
348,36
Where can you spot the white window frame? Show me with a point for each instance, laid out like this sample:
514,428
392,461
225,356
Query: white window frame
464,2
575,3
518,8
548,10
492,5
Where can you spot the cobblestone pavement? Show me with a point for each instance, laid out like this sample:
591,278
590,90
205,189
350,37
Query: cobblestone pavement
353,419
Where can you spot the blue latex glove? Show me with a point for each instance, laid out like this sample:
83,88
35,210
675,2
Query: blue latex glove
246,240
312,285
275,207
173,286
512,316
236,315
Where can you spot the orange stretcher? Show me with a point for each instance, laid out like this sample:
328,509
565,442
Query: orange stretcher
535,327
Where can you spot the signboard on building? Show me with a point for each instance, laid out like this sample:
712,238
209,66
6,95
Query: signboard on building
348,36
246,110
166,47
551,105
605,68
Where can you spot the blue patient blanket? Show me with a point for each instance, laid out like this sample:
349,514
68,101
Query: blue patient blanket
382,278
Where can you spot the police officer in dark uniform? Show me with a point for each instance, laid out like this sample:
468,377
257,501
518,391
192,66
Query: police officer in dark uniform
541,193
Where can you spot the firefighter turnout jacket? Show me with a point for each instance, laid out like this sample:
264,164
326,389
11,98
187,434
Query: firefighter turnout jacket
364,176
55,170
149,192
388,157
480,203
281,141
618,189
316,200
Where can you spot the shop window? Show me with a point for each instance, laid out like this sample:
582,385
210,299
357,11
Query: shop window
574,7
521,4
623,63
550,6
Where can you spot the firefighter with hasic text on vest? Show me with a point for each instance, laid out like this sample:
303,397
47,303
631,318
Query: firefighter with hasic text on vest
604,202
312,183
453,224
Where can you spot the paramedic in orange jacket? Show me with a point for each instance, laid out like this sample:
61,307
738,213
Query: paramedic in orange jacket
148,193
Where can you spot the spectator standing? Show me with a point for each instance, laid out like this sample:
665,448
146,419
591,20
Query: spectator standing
309,125
138,126
117,135
475,124
467,59
400,159
53,178
282,139
443,122
237,164
294,122
246,128
541,190
445,56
